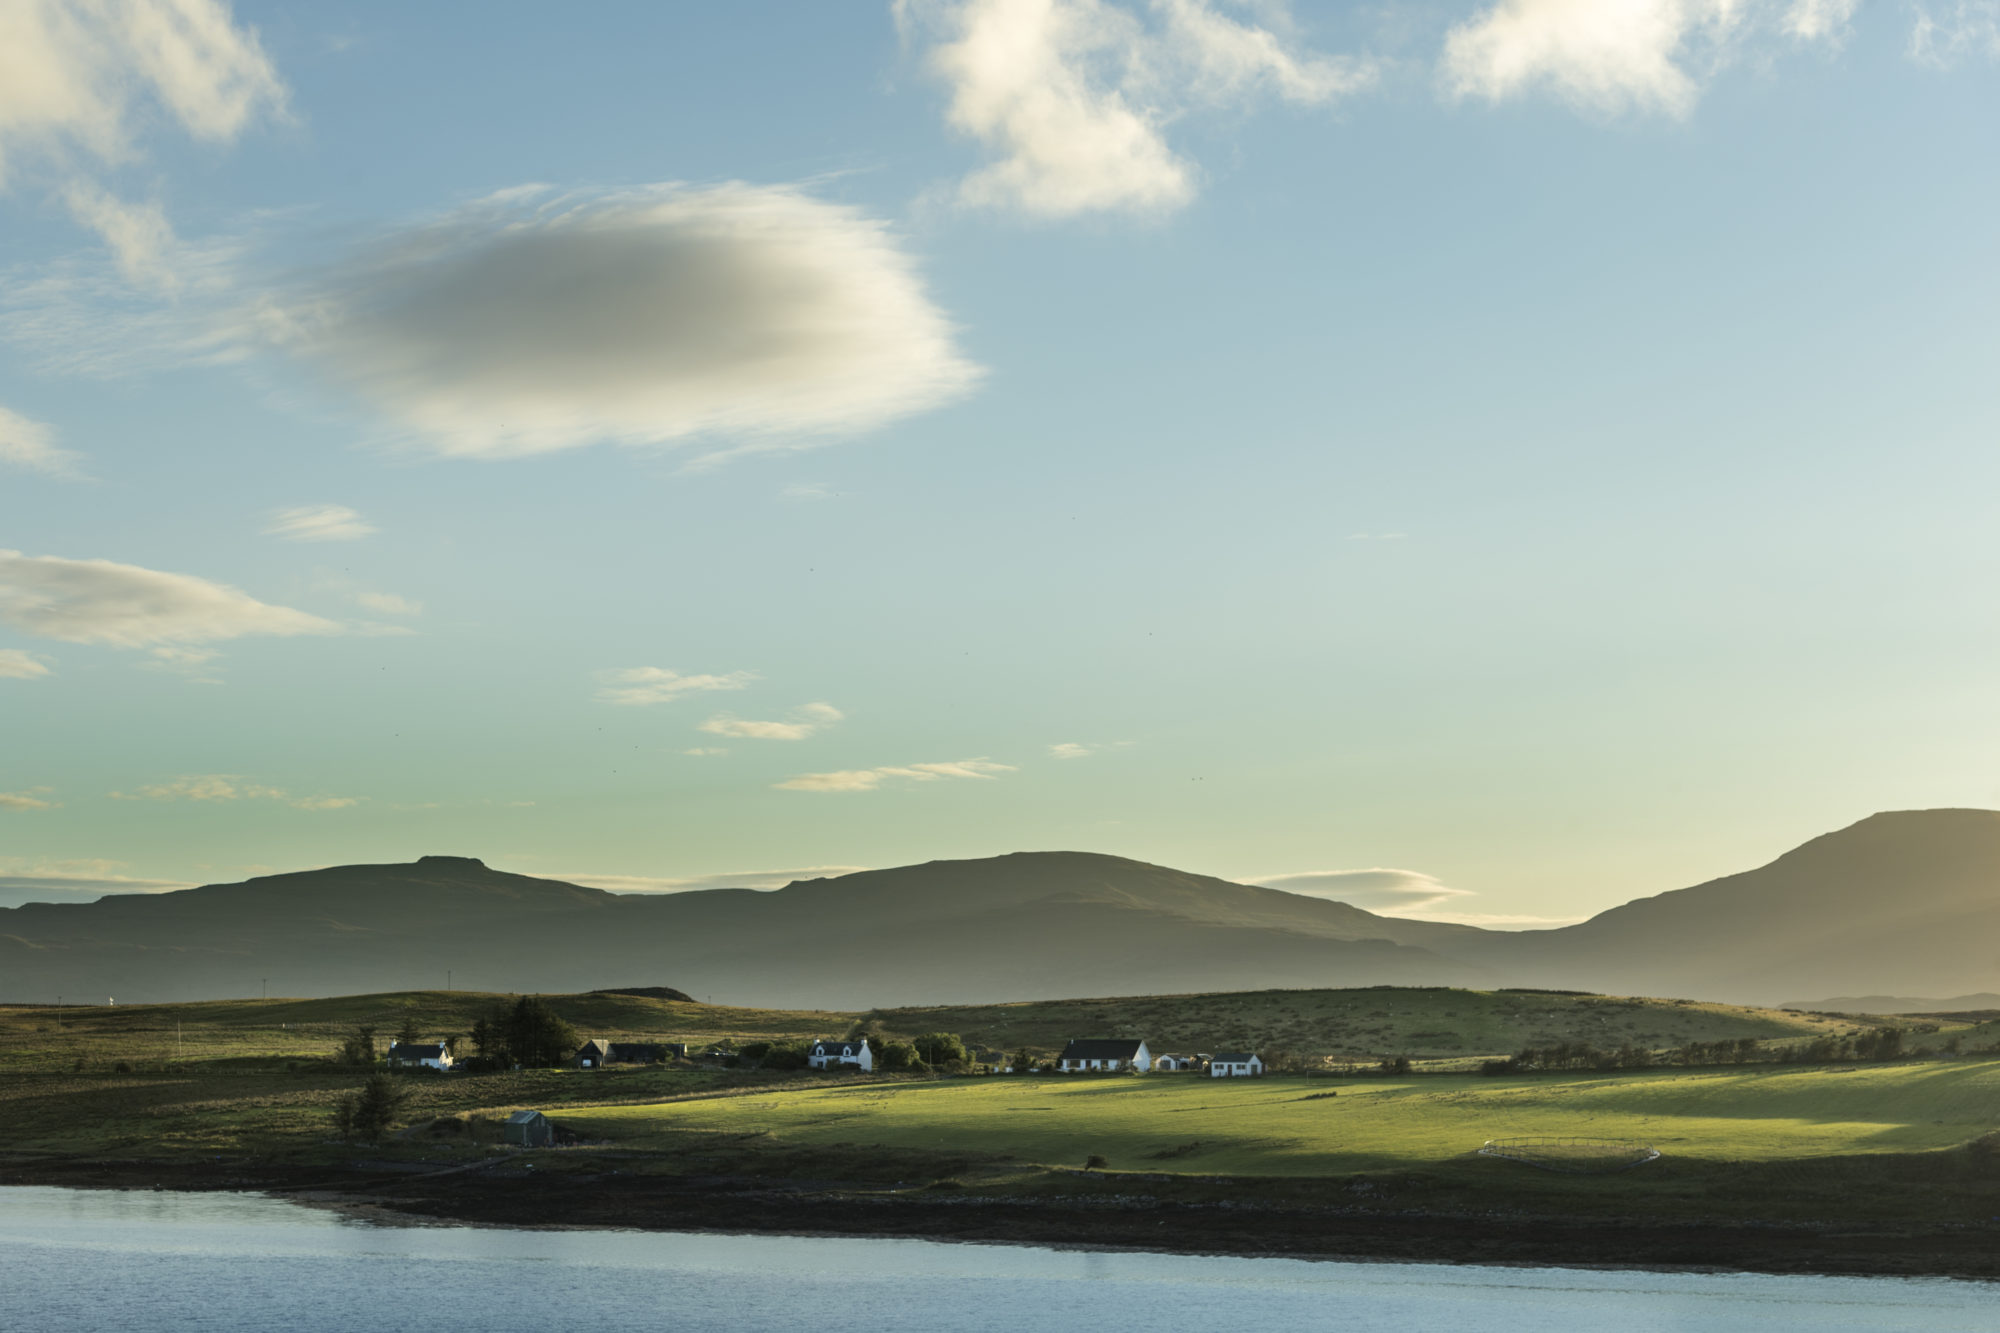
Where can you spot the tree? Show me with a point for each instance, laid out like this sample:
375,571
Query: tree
380,1100
783,1054
359,1048
489,1042
536,1035
899,1055
409,1034
940,1048
1094,1162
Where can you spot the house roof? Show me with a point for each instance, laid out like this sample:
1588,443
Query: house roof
1102,1048
825,1047
634,1050
595,1046
1233,1057
416,1051
524,1117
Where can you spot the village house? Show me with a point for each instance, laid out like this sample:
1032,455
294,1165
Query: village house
827,1054
593,1054
1176,1064
1107,1054
529,1129
1235,1064
419,1055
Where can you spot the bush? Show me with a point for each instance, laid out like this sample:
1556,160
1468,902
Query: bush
782,1054
1095,1162
940,1048
899,1055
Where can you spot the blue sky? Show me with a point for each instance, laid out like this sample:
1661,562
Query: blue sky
1543,448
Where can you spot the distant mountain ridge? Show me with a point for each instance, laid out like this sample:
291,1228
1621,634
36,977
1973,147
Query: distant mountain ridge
1904,903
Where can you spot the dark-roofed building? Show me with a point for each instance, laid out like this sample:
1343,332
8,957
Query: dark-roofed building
634,1053
419,1055
593,1054
529,1129
1176,1064
827,1054
1234,1064
1104,1053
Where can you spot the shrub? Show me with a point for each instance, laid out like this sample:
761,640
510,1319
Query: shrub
1095,1162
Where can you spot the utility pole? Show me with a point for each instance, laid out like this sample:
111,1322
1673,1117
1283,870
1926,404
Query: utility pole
267,988
59,1013
447,981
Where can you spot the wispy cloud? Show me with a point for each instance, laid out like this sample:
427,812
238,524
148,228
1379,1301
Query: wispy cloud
638,686
31,446
128,606
1074,97
869,779
17,664
81,77
1647,56
318,523
1082,749
219,788
741,879
25,880
1944,35
1401,893
758,316
809,720
389,604
35,798
705,751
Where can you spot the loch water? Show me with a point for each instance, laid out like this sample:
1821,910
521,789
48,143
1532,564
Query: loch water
146,1261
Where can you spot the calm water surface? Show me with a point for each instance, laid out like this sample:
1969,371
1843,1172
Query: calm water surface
141,1261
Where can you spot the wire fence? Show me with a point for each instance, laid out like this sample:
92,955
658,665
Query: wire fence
1573,1155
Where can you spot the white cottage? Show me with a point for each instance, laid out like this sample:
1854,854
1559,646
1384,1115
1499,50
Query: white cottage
831,1054
1092,1054
1235,1064
419,1055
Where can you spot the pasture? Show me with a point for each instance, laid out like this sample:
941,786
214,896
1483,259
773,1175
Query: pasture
1283,1126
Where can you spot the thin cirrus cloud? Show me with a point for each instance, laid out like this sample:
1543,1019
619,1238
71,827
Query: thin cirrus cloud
1074,97
317,523
806,721
530,322
637,687
31,446
1400,893
18,664
77,80
870,779
216,788
1644,56
761,880
129,606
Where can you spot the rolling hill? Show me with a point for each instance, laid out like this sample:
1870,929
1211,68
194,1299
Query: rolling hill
1898,904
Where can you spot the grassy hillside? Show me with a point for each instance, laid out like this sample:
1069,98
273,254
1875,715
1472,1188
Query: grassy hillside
1313,1127
42,1037
1366,1024
1313,1025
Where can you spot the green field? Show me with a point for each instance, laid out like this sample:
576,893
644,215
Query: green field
1318,1127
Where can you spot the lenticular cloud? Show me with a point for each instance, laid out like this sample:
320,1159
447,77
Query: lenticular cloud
526,323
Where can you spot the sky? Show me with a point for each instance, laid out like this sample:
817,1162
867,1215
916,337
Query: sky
1478,460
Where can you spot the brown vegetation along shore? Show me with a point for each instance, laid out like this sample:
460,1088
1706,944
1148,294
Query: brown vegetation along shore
1273,1219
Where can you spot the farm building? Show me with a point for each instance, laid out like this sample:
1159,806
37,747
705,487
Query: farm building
1090,1054
596,1054
830,1054
419,1055
1176,1064
530,1129
1234,1064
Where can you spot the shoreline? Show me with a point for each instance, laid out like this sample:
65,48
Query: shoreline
1128,1222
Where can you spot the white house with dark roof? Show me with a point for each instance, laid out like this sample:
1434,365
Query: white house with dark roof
1234,1064
827,1054
1109,1054
419,1055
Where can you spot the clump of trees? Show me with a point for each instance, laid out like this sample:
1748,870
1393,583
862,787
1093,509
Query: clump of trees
941,1049
359,1047
527,1033
369,1113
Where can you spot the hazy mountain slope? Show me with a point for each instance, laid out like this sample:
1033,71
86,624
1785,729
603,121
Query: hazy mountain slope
1039,924
1904,902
